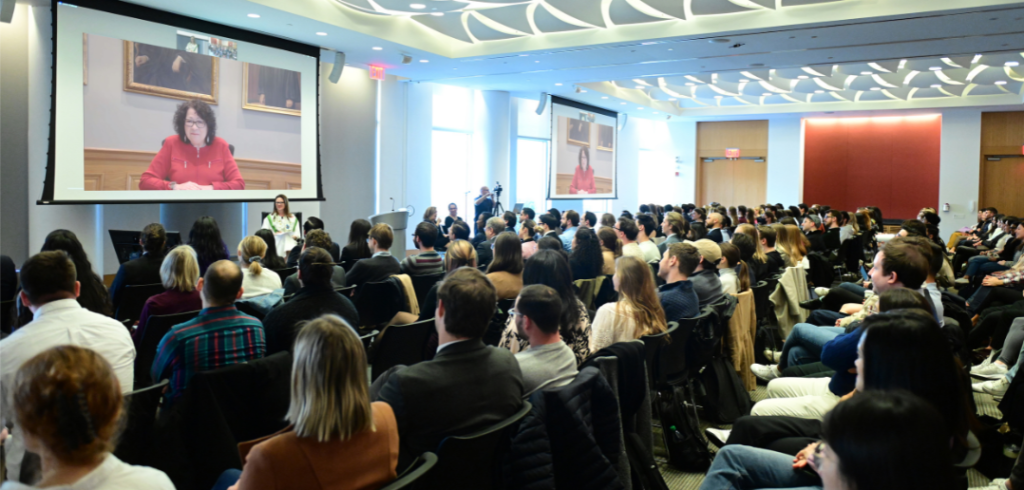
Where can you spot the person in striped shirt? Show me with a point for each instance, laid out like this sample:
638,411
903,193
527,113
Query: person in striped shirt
220,336
427,261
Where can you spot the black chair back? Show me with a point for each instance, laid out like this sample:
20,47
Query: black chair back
607,293
135,441
705,338
348,264
286,272
346,291
251,310
156,328
422,285
654,346
7,310
761,302
420,466
378,302
400,344
474,460
133,299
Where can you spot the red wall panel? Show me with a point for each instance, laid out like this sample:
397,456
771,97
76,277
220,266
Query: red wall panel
889,162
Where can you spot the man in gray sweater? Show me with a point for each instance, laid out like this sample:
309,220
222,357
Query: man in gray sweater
549,362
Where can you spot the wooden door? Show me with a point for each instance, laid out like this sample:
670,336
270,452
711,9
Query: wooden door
732,182
1002,185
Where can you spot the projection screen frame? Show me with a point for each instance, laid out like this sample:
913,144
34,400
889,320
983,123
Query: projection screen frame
553,145
148,14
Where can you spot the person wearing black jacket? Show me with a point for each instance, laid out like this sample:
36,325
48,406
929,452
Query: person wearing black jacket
811,224
317,297
8,278
381,265
312,223
494,227
145,269
833,222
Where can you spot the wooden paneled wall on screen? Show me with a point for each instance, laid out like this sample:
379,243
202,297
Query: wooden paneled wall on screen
1002,162
889,162
732,182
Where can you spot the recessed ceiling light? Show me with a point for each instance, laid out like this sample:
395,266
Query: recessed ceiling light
673,99
623,103
1011,63
321,34
604,97
377,48
744,80
437,14
254,16
689,84
1001,82
639,87
935,68
648,43
558,85
876,88
670,49
523,55
424,61
582,91
937,85
536,61
718,96
819,91
865,73
639,108
802,77
417,6
766,94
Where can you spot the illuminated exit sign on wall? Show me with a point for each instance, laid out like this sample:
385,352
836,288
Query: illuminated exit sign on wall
732,153
376,72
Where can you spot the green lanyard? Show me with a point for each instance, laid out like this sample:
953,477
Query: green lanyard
270,219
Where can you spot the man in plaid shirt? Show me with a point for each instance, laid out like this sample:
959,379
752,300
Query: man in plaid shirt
220,336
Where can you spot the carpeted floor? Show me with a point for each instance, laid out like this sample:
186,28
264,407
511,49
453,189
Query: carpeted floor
680,480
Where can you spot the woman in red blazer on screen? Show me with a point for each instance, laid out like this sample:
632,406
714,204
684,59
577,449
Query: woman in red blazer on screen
195,159
583,179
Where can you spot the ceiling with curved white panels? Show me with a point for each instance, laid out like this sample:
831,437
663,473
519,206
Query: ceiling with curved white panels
474,21
876,81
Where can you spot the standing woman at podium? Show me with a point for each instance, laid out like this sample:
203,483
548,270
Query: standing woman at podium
284,225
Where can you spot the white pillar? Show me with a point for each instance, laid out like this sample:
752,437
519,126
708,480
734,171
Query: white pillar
491,141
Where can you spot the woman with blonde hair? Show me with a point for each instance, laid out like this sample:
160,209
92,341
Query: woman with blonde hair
638,311
179,274
256,281
781,237
460,254
796,247
337,439
611,248
67,406
506,269
284,225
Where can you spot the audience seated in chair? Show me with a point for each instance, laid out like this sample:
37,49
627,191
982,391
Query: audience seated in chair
467,386
570,223
706,282
382,264
732,271
900,351
272,260
611,248
628,232
528,234
547,225
675,229
179,274
320,239
638,311
143,270
337,439
550,268
256,280
220,336
506,270
93,295
357,247
775,262
899,265
337,254
484,249
548,362
315,298
646,230
427,261
68,406
587,259
677,296
206,240
714,225
49,289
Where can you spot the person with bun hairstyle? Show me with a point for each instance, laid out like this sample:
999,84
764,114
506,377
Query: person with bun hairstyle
68,405
256,280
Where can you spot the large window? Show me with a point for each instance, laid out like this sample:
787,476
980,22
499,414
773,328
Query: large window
657,177
451,148
531,173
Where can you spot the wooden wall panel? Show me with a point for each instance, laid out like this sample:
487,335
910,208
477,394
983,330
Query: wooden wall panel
732,182
1002,133
121,170
889,162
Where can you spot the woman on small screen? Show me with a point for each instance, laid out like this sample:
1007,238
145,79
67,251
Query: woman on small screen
583,179
179,165
284,224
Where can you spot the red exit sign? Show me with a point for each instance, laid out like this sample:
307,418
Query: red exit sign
376,72
732,153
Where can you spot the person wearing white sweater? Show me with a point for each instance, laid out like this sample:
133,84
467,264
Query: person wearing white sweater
638,311
256,281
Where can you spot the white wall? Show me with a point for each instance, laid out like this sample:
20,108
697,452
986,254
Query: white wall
959,168
785,160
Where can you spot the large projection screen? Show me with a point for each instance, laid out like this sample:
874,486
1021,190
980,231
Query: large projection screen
584,139
156,107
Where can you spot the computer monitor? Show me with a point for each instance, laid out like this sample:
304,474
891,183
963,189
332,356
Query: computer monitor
126,243
518,208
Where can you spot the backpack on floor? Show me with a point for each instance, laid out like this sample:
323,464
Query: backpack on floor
680,427
724,397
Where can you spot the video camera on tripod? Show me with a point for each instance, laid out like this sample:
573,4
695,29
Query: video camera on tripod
498,208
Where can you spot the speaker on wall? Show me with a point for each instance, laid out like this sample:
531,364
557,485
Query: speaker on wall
543,103
339,64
